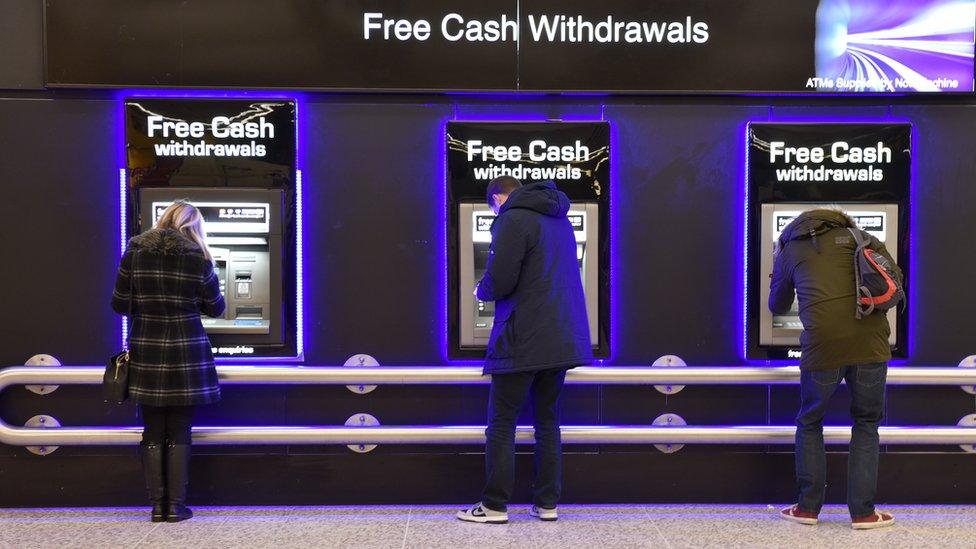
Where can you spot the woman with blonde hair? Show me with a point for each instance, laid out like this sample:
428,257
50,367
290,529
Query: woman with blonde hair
166,279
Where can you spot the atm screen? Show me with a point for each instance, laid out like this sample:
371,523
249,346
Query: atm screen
227,217
878,220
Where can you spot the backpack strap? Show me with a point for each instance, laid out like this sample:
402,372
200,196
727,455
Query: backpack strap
859,290
858,237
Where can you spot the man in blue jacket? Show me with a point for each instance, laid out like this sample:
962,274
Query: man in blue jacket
540,332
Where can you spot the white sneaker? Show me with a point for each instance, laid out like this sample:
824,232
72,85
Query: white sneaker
481,514
542,513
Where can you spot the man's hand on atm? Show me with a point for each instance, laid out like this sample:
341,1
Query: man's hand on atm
475,292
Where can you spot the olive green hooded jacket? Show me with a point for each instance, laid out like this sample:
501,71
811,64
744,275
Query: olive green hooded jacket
815,260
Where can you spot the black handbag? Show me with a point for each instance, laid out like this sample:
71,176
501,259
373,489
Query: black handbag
115,382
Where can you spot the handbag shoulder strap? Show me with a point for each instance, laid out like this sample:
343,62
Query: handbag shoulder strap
132,299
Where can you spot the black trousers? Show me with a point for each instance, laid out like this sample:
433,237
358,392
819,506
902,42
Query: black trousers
167,424
509,393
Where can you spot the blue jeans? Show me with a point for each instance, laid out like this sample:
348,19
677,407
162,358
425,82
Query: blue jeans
867,387
508,393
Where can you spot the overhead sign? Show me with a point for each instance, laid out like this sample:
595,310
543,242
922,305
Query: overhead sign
832,155
575,155
627,46
235,141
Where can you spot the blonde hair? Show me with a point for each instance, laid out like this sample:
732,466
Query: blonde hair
185,218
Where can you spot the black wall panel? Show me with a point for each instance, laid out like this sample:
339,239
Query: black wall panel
21,44
60,237
944,191
372,175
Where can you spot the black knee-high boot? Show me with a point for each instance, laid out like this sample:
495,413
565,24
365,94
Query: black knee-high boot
153,468
177,477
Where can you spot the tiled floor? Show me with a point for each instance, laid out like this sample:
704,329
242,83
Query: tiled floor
592,527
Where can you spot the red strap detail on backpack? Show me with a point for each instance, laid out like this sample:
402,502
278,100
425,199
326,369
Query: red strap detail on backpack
892,287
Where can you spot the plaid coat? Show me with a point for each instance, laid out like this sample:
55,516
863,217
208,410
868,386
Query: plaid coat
170,360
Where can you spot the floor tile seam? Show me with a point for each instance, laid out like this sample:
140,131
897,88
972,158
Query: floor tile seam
406,529
647,513
149,533
224,519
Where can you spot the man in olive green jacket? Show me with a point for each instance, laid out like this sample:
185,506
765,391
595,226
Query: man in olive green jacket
815,262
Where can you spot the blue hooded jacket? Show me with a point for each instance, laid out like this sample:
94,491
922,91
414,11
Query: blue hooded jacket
533,277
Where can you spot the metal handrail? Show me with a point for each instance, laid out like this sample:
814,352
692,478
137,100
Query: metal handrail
468,434
331,375
461,375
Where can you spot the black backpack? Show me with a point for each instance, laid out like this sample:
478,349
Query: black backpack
879,287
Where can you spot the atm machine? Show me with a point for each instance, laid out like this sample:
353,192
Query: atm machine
474,232
244,235
878,220
862,168
478,152
234,159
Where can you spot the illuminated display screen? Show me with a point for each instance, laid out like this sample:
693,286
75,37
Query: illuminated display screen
895,45
227,217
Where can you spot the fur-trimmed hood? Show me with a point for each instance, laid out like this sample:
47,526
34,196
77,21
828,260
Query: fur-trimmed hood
815,222
164,241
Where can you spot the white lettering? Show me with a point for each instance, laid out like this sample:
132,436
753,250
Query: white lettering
452,17
222,127
421,30
552,28
841,152
368,24
539,150
153,124
399,29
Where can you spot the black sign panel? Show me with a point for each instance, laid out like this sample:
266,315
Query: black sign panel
324,44
575,155
210,142
691,45
829,162
817,46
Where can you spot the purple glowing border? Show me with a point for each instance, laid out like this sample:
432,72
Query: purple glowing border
120,98
520,118
744,234
912,227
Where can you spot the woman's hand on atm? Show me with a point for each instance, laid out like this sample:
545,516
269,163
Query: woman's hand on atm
475,292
